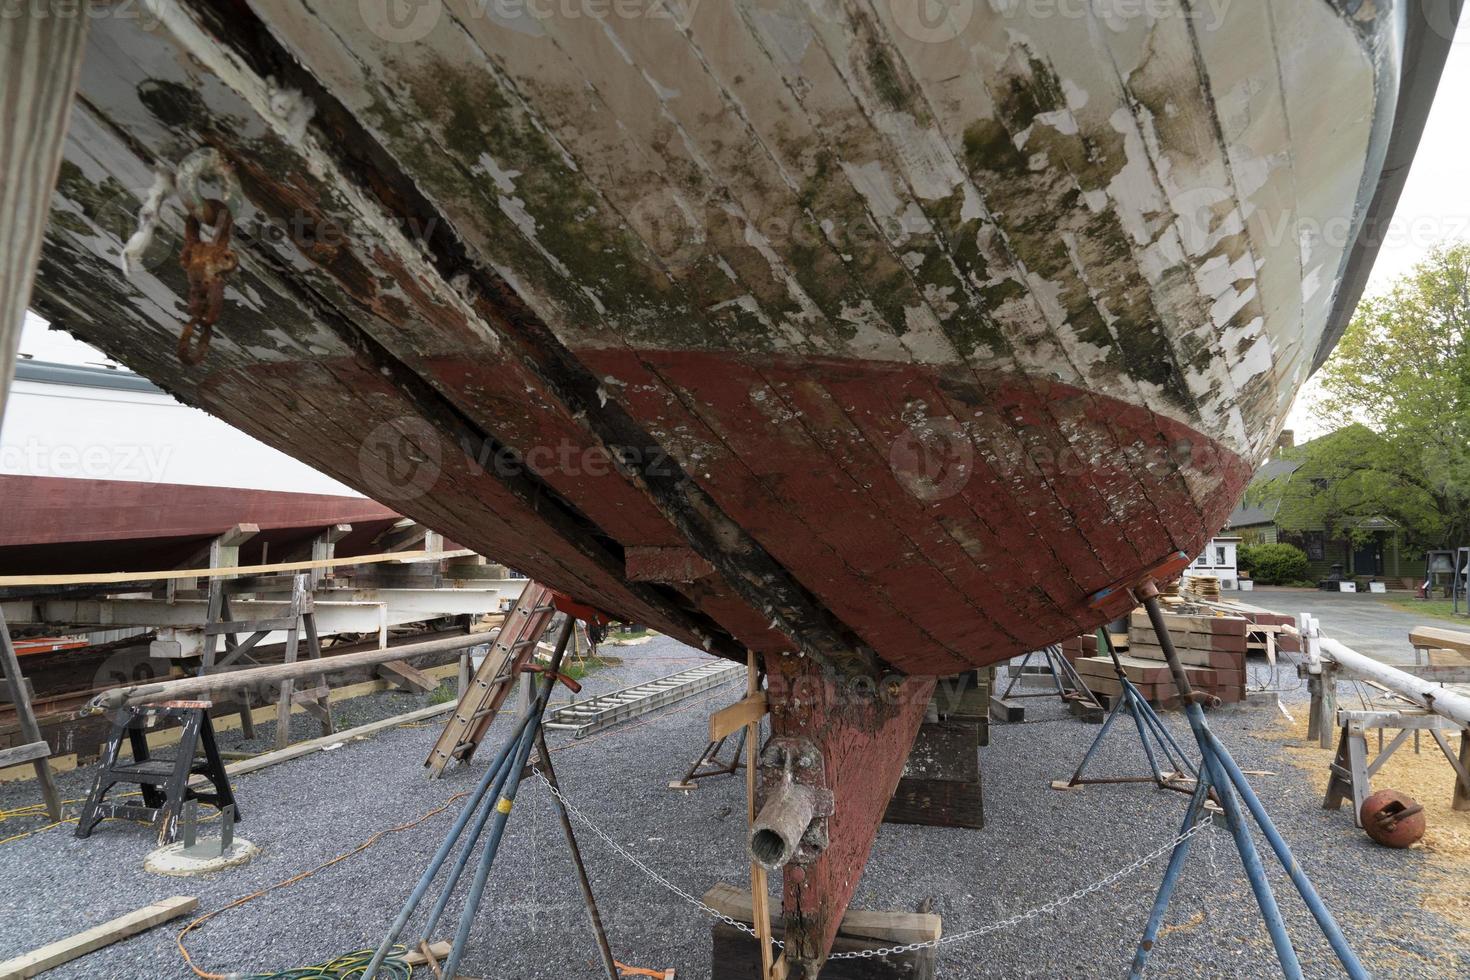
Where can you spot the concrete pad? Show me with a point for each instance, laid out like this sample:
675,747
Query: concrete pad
171,860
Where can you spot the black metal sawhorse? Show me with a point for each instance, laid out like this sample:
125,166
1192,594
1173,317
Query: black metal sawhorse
164,782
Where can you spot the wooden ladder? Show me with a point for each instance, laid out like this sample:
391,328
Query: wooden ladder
515,645
30,747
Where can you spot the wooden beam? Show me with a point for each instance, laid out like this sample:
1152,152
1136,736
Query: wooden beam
728,721
1437,638
21,754
887,927
25,718
317,744
79,945
1393,719
103,578
417,958
409,678
760,898
1439,674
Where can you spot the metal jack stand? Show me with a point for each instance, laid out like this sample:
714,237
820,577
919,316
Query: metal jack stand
494,797
1219,772
709,763
1068,684
1182,775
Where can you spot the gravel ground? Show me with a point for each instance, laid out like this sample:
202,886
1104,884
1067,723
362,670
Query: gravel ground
1038,844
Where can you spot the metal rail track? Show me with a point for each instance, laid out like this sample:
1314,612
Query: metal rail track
584,717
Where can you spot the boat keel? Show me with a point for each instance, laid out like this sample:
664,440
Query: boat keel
838,747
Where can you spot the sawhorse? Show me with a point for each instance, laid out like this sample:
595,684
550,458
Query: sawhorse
1352,773
164,782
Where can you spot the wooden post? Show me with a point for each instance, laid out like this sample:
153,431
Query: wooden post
1328,705
1461,800
760,898
40,58
29,730
324,549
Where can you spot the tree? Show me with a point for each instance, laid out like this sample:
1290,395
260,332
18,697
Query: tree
1403,369
1344,479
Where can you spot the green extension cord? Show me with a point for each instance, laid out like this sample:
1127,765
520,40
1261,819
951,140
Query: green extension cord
347,967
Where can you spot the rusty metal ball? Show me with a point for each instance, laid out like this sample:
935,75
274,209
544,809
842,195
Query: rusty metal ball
1392,819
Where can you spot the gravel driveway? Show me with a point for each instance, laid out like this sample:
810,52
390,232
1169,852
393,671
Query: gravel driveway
1038,844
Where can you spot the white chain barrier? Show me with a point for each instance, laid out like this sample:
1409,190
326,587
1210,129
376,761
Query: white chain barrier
1048,908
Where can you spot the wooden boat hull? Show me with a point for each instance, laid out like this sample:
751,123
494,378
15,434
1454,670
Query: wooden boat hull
803,327
57,525
920,337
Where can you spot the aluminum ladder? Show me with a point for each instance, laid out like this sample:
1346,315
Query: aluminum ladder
585,717
487,691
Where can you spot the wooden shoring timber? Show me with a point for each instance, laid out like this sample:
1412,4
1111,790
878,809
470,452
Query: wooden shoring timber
759,889
18,692
115,930
224,683
742,714
103,578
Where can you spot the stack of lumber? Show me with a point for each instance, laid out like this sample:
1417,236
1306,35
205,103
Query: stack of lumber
1075,648
1211,649
1202,587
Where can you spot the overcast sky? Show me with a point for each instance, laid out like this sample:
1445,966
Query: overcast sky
1435,207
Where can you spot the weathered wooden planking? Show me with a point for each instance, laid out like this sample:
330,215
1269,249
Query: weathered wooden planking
79,945
21,754
1231,659
1191,639
945,750
40,56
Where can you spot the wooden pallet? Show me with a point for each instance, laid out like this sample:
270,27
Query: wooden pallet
487,691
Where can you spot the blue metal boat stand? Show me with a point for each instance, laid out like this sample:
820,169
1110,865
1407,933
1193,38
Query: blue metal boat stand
1157,742
1069,685
1218,774
490,803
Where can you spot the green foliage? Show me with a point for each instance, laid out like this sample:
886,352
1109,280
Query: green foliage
1272,564
1346,478
1402,369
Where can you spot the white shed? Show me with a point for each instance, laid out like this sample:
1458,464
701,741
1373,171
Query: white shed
1218,559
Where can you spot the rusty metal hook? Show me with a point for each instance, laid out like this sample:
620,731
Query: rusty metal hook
206,264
